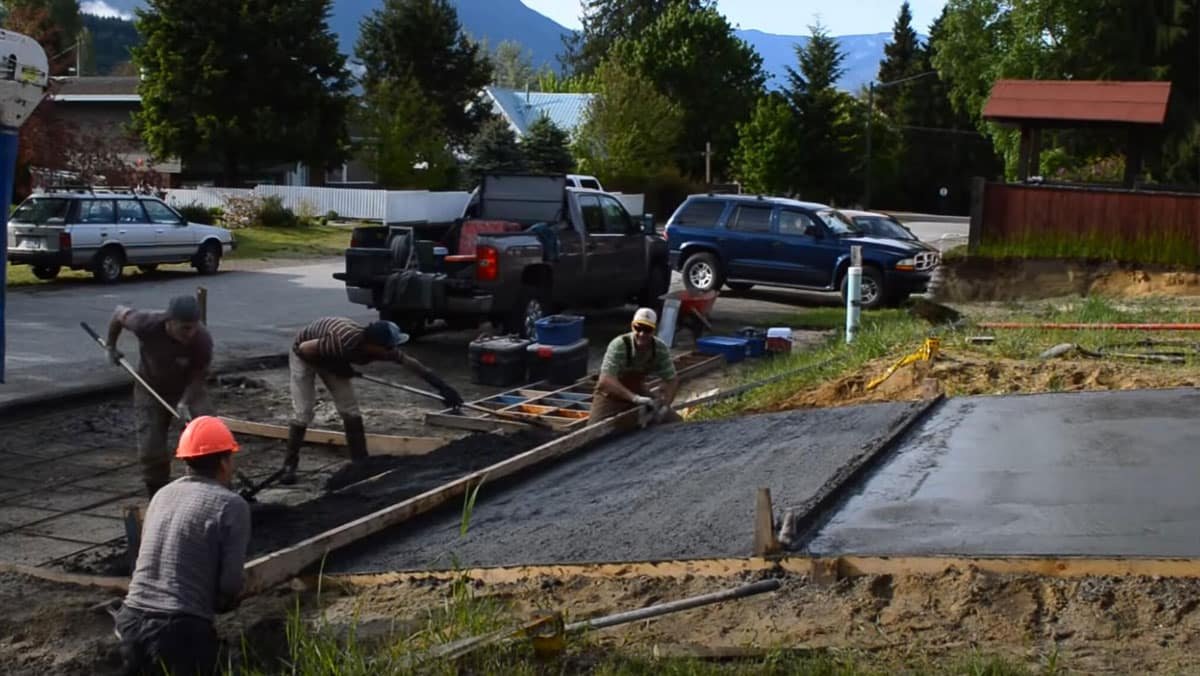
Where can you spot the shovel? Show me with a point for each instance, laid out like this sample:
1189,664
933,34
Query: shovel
514,417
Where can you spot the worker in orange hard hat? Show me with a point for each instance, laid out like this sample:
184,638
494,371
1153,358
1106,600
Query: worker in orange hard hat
632,358
189,564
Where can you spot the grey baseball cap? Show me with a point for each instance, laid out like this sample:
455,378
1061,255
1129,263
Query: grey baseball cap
184,309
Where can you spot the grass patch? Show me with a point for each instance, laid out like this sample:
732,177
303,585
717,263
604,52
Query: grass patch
1154,248
299,242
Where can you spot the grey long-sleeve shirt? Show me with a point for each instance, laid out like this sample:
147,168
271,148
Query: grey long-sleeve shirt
193,549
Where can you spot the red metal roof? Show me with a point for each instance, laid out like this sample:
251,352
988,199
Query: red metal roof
1078,101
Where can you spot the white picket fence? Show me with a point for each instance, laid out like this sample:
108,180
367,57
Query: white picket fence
387,206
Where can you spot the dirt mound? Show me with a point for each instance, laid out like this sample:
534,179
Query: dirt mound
975,279
955,375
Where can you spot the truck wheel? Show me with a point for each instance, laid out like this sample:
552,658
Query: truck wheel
702,272
107,266
872,288
208,259
531,306
658,282
46,272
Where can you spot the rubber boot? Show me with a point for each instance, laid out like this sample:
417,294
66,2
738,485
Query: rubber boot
292,460
356,437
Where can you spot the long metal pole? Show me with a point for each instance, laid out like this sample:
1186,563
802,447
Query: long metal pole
760,587
124,363
8,167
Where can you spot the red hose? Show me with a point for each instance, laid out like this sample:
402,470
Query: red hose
1096,327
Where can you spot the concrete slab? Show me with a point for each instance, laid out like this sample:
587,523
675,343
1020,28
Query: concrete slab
1098,474
680,491
15,516
80,528
33,550
65,500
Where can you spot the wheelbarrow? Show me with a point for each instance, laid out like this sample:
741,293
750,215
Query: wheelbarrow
686,309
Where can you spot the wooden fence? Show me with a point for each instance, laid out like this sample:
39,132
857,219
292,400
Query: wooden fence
1090,222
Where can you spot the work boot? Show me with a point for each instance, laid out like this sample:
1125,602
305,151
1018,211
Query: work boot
292,460
356,437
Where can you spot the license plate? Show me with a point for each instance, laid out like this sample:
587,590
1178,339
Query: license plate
31,243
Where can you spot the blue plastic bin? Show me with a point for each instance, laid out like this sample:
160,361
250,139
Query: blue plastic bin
733,349
756,341
559,330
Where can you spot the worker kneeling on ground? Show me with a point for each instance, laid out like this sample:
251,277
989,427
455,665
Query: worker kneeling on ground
328,348
174,353
189,564
630,359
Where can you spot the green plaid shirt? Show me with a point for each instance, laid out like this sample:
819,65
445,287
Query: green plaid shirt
655,362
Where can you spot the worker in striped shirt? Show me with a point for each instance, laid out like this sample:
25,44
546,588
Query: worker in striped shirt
329,347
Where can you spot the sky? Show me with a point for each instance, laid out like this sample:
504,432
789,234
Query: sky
789,17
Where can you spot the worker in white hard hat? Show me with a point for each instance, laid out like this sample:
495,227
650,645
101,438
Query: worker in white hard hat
629,361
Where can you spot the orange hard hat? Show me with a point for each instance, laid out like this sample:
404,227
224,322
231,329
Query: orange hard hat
204,436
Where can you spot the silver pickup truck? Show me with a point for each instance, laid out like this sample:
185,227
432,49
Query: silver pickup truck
104,230
525,247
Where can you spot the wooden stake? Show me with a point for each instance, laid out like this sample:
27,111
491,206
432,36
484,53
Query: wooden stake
377,444
202,301
766,542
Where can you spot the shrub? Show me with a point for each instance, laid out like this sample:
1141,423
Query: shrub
272,214
241,212
198,213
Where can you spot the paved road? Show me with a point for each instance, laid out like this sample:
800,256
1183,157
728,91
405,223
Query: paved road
944,234
1087,474
251,313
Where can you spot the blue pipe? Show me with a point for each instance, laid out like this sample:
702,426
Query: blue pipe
8,170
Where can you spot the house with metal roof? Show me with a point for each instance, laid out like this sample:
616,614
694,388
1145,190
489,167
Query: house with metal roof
521,108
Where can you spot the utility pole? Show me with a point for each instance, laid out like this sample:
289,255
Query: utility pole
870,125
708,164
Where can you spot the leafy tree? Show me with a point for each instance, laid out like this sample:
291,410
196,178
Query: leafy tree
495,149
406,146
273,89
607,21
550,81
423,39
547,148
55,24
630,130
826,115
693,57
768,148
512,66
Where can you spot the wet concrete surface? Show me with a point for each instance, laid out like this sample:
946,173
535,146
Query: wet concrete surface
679,491
1098,473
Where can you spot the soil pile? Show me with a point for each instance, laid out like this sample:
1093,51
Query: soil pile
967,280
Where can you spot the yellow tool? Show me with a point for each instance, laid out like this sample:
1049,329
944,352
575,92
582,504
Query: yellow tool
927,352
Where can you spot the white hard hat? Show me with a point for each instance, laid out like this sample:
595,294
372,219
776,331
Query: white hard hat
646,316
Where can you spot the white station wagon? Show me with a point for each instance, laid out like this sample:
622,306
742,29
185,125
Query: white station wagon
104,230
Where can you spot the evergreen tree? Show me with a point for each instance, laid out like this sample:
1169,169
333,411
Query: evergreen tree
899,61
273,89
495,150
423,39
827,169
512,66
547,148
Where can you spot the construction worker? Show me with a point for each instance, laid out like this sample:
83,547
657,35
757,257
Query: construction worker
174,354
630,359
189,564
328,348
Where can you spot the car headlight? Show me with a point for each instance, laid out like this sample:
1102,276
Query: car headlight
906,264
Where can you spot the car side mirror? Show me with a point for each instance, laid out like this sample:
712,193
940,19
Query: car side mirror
648,224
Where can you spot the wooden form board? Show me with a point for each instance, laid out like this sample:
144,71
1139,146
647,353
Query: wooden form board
377,444
563,407
267,571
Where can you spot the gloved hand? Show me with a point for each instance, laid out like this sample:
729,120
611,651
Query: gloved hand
450,396
115,356
184,413
640,400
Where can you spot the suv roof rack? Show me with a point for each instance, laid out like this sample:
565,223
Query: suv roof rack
68,188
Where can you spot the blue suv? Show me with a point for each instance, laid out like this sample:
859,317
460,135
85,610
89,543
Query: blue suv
740,241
